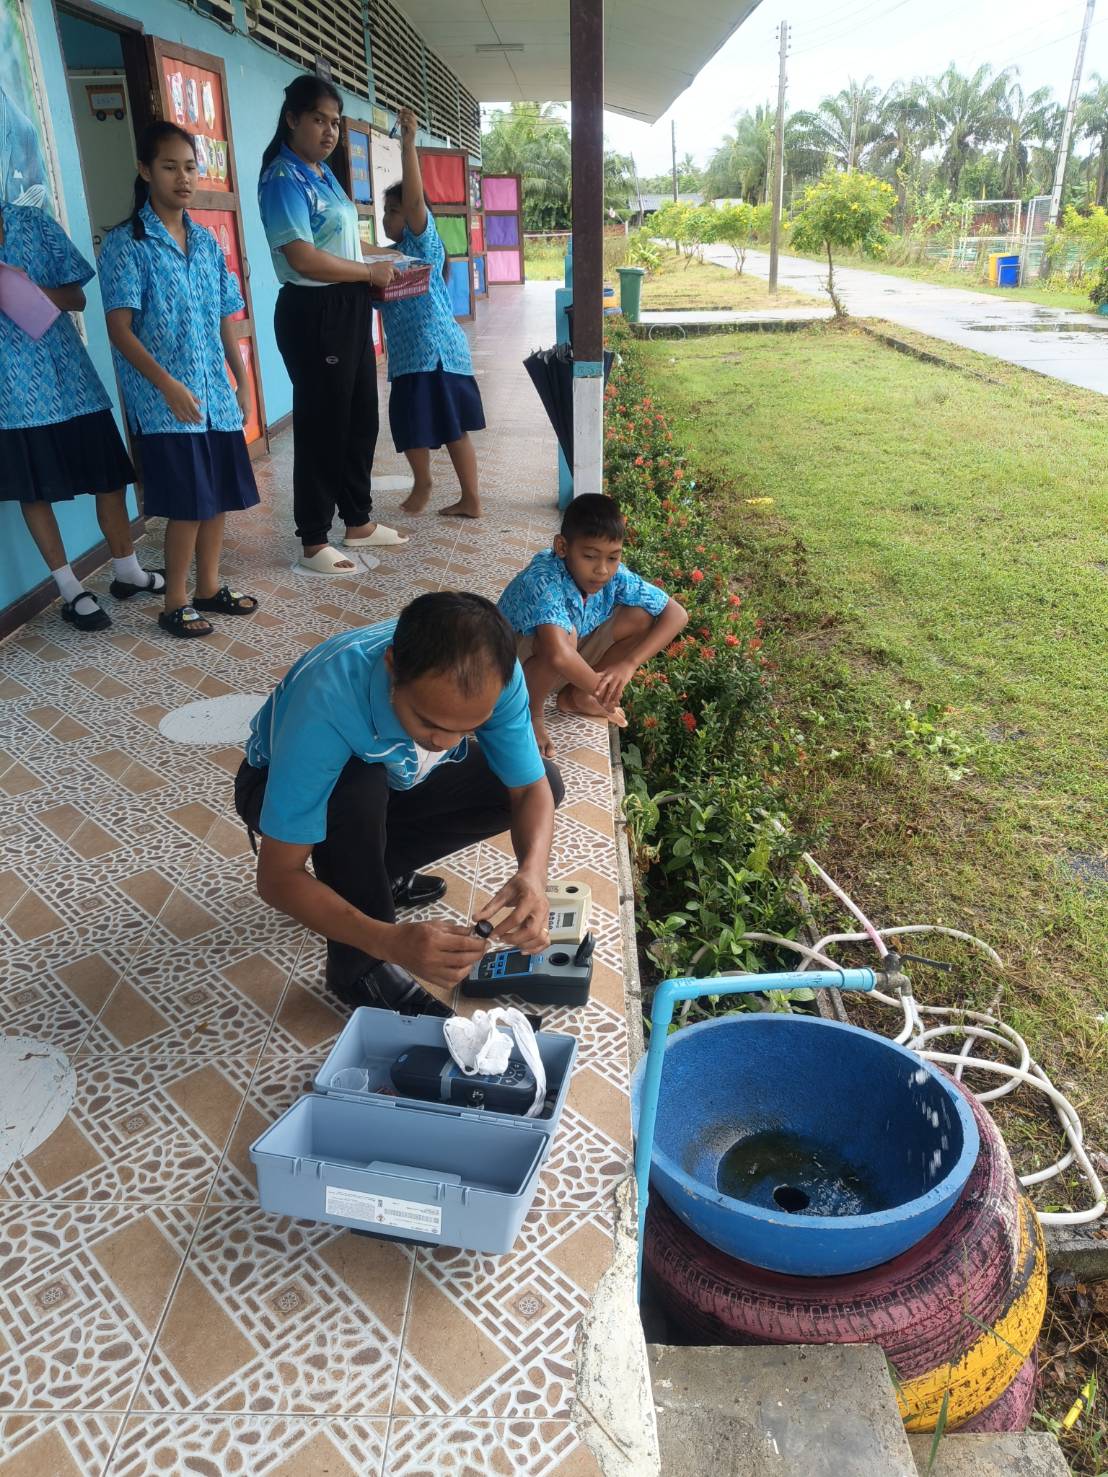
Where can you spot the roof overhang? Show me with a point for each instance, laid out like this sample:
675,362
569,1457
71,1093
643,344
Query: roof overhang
518,50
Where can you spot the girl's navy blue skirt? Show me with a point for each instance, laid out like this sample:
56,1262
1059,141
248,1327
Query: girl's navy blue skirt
195,475
433,408
54,464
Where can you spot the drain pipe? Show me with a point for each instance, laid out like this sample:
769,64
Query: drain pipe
661,1016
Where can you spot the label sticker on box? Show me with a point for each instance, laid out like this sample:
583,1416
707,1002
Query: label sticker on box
380,1210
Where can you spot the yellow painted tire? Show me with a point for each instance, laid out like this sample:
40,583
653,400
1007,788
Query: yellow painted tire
995,1358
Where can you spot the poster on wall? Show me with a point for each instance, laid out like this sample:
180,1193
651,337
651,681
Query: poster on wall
361,188
224,227
28,174
195,99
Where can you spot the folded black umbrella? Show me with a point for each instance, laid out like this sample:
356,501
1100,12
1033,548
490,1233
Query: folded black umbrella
551,372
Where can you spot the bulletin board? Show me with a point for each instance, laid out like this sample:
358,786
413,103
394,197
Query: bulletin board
191,90
502,198
447,187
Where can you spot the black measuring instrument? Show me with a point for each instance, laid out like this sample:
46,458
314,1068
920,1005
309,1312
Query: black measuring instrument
430,1073
556,976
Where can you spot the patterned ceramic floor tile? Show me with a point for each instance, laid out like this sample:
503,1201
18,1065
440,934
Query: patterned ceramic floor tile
280,1317
145,1126
486,1449
494,1336
56,1446
248,1446
84,1289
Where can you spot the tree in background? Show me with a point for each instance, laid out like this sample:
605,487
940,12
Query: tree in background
1024,121
532,140
850,119
1092,123
735,227
844,212
968,114
903,131
690,179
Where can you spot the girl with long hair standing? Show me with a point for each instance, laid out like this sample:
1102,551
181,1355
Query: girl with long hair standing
324,327
170,299
57,436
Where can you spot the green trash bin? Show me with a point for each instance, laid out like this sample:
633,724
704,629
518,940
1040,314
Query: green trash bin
630,291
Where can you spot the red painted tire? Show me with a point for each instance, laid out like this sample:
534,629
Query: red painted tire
1013,1411
970,1261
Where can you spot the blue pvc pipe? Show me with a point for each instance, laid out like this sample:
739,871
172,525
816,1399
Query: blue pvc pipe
661,1015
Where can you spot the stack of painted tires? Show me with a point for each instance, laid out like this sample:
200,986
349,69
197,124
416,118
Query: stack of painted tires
956,1313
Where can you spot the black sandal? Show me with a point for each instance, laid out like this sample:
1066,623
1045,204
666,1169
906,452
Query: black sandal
123,589
92,620
227,602
183,621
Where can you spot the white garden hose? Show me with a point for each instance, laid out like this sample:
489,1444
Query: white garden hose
972,1026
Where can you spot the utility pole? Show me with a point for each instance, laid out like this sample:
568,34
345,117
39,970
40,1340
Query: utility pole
673,148
853,130
778,159
1067,126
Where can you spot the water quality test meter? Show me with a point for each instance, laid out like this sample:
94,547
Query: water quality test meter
559,975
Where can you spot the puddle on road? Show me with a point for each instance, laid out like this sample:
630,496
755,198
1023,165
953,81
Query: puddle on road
1060,328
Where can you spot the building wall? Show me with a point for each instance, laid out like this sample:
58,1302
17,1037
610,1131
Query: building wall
256,79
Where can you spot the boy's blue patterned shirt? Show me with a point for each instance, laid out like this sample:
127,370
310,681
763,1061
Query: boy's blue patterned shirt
422,332
52,380
335,705
299,205
178,300
546,594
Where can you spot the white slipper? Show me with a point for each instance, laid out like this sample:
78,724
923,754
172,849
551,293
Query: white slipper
327,561
381,537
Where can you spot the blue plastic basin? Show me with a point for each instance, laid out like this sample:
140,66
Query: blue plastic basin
806,1146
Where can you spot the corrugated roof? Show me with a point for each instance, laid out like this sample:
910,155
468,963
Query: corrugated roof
653,51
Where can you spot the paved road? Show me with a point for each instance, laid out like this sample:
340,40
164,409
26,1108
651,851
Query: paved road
1056,341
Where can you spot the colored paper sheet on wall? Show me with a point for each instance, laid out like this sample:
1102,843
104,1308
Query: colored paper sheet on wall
504,266
458,284
194,89
452,229
502,230
477,234
480,276
500,193
444,178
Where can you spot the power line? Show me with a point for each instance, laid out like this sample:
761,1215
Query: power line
869,20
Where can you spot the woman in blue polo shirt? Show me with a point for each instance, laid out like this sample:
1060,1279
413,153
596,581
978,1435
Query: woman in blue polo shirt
170,302
58,440
324,327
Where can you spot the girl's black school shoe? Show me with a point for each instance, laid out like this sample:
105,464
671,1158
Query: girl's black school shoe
123,589
90,620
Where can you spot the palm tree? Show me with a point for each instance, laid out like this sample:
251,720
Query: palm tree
967,113
843,127
1023,123
532,140
1092,123
903,132
742,166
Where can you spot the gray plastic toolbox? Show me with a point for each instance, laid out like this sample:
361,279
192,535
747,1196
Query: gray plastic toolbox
402,1168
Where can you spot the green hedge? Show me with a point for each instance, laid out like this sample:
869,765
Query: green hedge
704,751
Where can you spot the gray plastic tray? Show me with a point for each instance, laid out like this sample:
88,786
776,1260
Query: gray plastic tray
405,1169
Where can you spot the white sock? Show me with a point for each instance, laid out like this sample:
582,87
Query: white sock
70,587
130,570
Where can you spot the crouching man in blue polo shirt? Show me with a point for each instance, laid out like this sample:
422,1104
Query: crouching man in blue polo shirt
360,761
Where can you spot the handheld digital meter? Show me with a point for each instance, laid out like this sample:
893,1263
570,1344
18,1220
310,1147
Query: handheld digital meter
557,976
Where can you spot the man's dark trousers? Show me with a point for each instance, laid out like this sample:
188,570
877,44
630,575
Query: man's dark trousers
375,834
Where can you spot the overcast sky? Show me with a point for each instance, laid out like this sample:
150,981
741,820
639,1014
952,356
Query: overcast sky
833,40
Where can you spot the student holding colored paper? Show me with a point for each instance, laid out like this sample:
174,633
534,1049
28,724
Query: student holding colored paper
58,440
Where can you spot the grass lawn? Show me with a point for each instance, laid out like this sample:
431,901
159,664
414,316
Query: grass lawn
543,261
1047,297
939,539
704,285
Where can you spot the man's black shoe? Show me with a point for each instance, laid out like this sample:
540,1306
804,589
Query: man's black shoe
416,890
388,987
